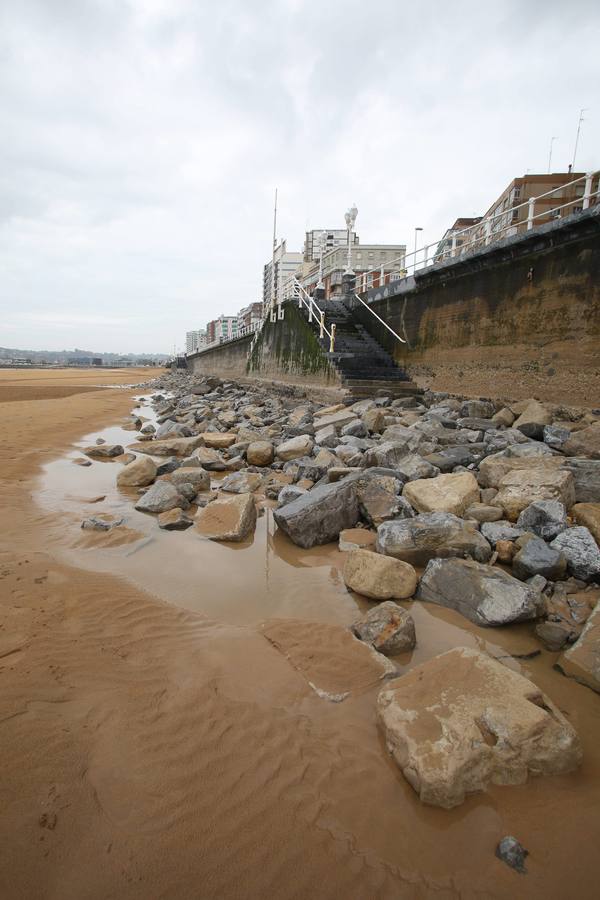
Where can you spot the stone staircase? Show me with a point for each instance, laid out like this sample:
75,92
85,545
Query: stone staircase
365,368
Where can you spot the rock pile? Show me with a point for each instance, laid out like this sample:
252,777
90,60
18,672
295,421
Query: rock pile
500,504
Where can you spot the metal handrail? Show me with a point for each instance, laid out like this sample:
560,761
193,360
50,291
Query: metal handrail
379,319
484,230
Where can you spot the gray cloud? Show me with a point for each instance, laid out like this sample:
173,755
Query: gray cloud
142,142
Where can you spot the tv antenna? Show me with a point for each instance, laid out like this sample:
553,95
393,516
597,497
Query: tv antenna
581,119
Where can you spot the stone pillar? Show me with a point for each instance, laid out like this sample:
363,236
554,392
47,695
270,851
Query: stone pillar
348,286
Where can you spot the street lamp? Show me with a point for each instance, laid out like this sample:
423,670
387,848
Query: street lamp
323,237
416,230
350,218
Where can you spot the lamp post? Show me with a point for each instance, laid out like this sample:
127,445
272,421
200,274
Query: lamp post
350,217
417,229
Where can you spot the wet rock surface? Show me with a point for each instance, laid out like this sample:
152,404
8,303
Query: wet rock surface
463,720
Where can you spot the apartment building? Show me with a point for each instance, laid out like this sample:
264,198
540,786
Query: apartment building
378,263
250,316
277,271
562,190
221,329
195,340
328,239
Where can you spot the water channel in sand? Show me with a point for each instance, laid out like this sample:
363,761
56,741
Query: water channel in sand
268,577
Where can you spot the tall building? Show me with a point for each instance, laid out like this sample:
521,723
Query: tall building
508,221
222,329
277,271
250,316
195,340
379,263
328,238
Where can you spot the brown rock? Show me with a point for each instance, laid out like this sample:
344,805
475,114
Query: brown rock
588,514
174,520
445,493
582,660
521,487
462,721
139,473
387,628
260,453
505,550
231,519
379,577
218,440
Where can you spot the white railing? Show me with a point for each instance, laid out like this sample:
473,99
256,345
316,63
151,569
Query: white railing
293,290
379,319
502,223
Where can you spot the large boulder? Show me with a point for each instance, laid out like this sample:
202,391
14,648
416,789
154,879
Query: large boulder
485,595
173,446
160,497
295,448
446,493
193,475
338,418
231,519
210,459
581,551
582,660
447,459
412,466
218,440
493,468
585,442
379,501
462,721
379,577
139,473
318,516
546,518
387,454
431,535
259,453
241,483
586,474
522,487
387,628
500,531
536,557
532,420
588,514
374,420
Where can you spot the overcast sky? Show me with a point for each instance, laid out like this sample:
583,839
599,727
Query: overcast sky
141,142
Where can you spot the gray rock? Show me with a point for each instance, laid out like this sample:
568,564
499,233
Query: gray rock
288,493
318,516
510,851
581,551
388,454
355,429
171,464
484,595
445,460
241,483
95,523
537,558
377,504
555,436
388,628
546,518
483,409
160,497
429,536
500,531
413,466
586,474
104,451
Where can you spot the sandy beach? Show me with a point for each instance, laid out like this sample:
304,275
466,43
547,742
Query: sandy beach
161,741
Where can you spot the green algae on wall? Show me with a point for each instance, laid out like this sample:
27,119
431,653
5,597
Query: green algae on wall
290,347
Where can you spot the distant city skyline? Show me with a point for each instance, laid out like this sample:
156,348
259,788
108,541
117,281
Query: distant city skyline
142,143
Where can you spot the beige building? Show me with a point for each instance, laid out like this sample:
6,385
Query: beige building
373,264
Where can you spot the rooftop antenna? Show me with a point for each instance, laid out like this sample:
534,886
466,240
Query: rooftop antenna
275,222
552,139
581,119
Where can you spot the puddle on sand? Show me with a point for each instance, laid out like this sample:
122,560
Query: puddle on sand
555,817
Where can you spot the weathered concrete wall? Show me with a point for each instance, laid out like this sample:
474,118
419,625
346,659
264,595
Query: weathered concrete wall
285,351
520,317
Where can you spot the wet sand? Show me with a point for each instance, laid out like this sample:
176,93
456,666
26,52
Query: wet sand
156,743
